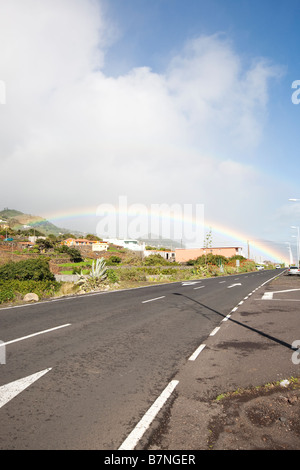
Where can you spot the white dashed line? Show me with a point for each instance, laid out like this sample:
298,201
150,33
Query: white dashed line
227,317
214,331
195,354
34,334
152,300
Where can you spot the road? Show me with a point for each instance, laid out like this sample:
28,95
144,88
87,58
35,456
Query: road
81,372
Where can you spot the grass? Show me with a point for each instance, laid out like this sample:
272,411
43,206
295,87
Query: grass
294,382
84,271
75,265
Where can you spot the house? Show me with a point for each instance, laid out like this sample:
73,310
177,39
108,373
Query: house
182,255
100,246
166,254
78,242
130,244
3,224
96,245
24,245
84,242
68,242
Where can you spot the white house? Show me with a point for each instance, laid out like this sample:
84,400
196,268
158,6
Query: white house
133,245
100,246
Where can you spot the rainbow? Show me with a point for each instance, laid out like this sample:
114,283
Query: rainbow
236,236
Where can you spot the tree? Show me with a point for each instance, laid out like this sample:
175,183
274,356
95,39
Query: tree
44,244
90,236
75,254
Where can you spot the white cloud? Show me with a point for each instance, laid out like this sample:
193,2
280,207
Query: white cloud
72,136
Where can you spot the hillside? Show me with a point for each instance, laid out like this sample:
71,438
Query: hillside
19,221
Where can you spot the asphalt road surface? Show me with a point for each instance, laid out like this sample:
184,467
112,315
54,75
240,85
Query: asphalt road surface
83,372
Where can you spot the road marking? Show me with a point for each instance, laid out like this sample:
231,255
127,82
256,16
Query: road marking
9,391
221,282
267,296
227,317
142,426
152,300
200,287
287,290
35,334
215,331
196,353
190,283
283,300
233,285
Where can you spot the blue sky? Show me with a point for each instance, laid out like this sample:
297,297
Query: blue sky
151,32
161,101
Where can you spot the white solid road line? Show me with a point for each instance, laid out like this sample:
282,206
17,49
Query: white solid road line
152,300
142,426
9,391
34,334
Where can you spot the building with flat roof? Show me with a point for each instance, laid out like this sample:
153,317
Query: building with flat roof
134,245
182,255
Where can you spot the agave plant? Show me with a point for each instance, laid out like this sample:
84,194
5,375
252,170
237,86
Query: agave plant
96,276
99,269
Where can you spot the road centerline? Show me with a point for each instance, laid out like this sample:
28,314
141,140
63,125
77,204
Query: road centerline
34,334
152,300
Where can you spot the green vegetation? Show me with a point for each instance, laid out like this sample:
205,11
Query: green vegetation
15,289
95,277
74,254
31,269
121,268
156,260
18,279
292,383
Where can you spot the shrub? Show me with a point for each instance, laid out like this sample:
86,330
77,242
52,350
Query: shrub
75,254
209,259
132,274
11,288
112,276
114,260
6,294
35,269
155,260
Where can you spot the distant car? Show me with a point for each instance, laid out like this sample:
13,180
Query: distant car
259,267
277,267
293,270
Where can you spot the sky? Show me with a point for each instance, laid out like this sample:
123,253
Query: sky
156,103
